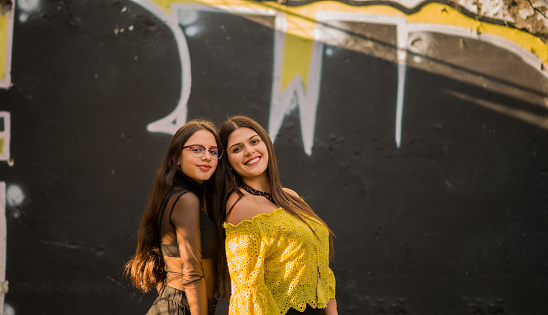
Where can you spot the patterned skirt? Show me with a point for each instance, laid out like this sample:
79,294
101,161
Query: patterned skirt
171,301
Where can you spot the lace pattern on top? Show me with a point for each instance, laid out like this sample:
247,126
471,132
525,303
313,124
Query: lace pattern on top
277,262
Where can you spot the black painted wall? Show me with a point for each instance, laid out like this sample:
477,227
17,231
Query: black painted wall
453,222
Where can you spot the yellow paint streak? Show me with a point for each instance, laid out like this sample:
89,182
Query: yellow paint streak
3,44
2,146
433,13
297,57
299,43
166,4
440,14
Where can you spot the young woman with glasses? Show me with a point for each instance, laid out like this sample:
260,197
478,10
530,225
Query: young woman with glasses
277,248
178,239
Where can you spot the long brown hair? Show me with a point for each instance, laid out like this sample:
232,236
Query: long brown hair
146,267
293,205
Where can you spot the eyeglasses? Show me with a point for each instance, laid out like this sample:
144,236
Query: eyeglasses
199,151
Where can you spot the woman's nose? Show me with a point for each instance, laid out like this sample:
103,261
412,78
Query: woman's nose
248,150
206,156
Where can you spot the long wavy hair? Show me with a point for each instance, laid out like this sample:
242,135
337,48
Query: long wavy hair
146,267
293,205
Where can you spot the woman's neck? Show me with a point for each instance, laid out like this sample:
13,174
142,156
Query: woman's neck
181,179
259,182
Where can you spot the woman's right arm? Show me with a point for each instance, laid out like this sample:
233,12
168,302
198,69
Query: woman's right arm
186,219
245,254
331,308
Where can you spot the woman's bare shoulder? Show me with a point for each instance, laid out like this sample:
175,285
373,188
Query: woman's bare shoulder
291,192
232,199
240,210
247,208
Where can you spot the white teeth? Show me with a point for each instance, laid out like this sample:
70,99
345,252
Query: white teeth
252,161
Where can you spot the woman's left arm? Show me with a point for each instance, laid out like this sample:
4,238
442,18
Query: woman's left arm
186,219
331,308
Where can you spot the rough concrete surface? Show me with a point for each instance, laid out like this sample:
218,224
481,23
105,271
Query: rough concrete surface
422,144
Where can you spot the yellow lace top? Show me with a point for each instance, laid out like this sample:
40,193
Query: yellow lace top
276,262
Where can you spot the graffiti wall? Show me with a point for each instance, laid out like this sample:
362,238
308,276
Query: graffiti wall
417,130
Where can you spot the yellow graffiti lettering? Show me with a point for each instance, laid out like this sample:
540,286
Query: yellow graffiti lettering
3,44
6,35
301,23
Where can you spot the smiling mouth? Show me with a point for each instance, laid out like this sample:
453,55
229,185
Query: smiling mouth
253,161
204,167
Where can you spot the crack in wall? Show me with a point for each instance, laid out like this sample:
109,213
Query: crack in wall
97,250
530,17
527,15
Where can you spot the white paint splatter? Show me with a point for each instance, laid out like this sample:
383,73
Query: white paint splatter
329,52
187,17
8,310
23,17
192,30
27,7
14,195
419,43
16,213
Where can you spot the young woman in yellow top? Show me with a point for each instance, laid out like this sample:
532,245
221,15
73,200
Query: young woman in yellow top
277,248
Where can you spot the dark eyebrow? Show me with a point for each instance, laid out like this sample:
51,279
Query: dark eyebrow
247,139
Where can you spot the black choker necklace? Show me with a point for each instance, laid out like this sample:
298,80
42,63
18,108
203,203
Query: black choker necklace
255,192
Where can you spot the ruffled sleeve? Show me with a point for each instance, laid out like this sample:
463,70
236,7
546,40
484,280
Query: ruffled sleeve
246,247
186,220
332,285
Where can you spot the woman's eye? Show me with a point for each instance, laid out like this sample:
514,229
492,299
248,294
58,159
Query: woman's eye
236,150
254,141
